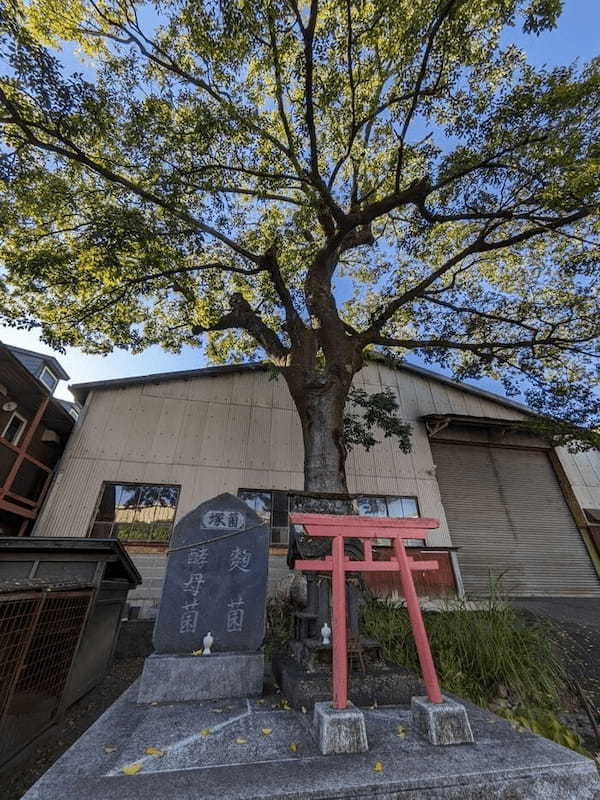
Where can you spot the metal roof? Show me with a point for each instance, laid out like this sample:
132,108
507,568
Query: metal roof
70,546
29,391
52,362
81,390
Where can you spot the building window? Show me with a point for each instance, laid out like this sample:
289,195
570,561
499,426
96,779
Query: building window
274,507
14,428
135,512
389,506
48,378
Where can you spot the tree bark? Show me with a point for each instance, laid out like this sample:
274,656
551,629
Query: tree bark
320,404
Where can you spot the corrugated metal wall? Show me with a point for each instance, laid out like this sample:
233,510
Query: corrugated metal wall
215,434
583,472
219,433
507,513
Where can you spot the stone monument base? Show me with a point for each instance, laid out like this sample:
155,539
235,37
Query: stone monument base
242,750
441,723
340,730
383,685
169,678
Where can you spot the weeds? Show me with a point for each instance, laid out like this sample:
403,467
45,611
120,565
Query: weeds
279,623
482,655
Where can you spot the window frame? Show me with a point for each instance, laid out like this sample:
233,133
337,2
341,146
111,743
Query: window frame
153,542
354,497
20,432
46,369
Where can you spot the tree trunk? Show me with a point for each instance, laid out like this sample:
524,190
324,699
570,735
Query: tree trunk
321,411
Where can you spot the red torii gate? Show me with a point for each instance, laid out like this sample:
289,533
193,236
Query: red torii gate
340,527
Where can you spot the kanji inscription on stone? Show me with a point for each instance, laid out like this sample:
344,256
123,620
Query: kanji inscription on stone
216,580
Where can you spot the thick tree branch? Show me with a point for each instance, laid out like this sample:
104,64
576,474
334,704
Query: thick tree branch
241,315
308,33
294,323
484,348
330,207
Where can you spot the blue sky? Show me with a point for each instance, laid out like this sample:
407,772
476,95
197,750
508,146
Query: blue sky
577,37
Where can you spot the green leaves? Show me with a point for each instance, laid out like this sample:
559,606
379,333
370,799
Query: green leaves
367,412
378,174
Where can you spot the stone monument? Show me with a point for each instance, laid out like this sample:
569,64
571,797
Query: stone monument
216,582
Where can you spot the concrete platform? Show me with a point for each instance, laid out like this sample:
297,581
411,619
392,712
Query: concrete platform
251,749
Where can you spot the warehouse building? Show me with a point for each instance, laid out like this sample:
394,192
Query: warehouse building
147,450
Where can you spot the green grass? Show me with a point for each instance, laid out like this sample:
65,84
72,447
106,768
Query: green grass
495,657
481,655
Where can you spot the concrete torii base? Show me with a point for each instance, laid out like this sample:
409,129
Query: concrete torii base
340,730
441,723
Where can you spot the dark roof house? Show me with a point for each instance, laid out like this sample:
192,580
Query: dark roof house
34,428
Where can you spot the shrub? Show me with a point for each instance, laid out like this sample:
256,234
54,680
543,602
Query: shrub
279,622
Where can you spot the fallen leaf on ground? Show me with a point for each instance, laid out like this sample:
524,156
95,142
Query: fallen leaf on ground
378,767
293,747
400,732
241,740
205,732
154,751
266,731
218,710
109,748
196,652
131,769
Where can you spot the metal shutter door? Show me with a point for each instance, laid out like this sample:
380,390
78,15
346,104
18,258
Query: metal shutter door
507,513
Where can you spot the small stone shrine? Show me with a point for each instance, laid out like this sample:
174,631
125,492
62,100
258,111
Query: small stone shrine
214,594
303,669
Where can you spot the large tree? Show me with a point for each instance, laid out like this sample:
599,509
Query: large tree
305,180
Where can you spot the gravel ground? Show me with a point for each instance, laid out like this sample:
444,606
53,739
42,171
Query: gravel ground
15,782
578,644
576,624
579,610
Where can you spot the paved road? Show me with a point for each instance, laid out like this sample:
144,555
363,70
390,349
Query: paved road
579,610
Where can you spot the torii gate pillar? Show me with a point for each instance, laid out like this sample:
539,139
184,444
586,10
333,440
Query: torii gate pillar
341,726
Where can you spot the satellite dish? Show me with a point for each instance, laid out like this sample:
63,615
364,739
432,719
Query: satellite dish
10,406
